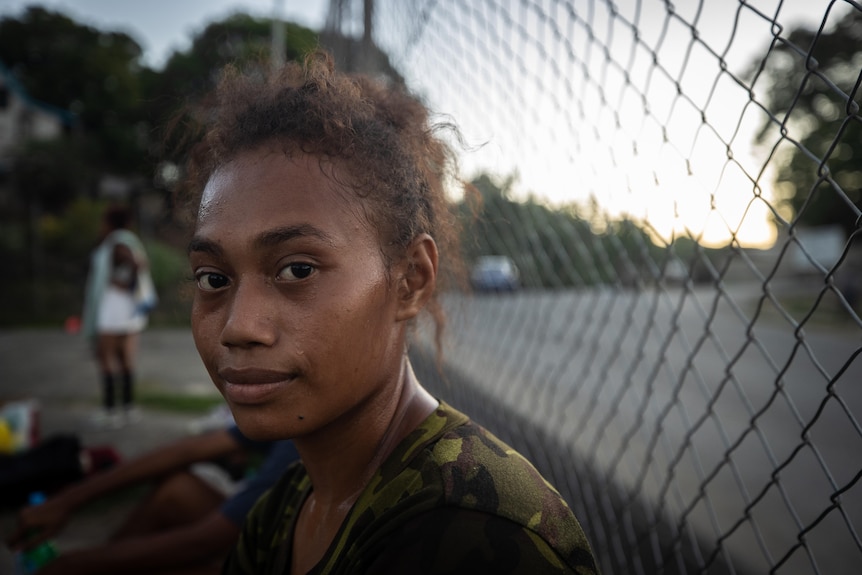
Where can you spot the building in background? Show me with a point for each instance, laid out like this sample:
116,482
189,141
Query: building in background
23,118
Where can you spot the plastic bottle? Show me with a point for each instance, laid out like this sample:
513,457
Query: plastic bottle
32,560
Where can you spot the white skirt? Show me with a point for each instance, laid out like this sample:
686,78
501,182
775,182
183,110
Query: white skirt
118,313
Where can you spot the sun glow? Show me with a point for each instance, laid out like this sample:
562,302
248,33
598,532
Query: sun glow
656,125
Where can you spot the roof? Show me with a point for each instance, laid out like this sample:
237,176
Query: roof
14,86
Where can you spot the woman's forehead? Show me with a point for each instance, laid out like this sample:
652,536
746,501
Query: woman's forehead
268,169
266,186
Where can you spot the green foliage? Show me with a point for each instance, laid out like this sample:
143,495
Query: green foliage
118,104
170,269
810,80
555,247
83,70
50,266
240,39
70,65
75,232
52,173
168,265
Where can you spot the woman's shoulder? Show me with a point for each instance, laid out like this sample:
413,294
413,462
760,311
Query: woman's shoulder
481,473
484,472
465,489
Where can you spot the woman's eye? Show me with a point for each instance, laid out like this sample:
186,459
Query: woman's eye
296,271
210,281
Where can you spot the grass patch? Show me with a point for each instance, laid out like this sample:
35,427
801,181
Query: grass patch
181,403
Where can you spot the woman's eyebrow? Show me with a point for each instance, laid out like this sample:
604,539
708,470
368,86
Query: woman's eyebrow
203,245
276,236
266,239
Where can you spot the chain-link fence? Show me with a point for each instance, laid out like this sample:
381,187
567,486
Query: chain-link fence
679,185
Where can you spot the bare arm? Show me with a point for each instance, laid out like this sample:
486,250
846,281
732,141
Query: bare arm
203,542
123,256
37,523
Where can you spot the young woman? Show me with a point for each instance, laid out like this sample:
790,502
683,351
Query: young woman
322,228
119,295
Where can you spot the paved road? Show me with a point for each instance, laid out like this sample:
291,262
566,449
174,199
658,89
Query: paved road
687,403
58,366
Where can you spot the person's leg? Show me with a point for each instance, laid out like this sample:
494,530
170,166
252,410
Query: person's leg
179,499
126,355
106,351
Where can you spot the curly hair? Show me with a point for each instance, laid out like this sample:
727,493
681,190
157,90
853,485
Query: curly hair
379,135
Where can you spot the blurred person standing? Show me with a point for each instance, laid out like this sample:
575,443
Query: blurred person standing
119,296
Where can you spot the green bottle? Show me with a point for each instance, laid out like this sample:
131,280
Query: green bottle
34,559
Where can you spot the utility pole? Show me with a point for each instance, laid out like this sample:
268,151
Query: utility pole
367,60
279,36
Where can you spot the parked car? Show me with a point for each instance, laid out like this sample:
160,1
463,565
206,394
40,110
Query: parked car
495,274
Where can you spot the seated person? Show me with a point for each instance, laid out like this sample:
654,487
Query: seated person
187,524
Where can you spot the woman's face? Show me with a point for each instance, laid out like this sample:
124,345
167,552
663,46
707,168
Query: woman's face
294,313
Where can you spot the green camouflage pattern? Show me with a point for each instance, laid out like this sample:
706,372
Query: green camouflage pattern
451,498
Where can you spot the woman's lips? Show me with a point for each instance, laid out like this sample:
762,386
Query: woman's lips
250,386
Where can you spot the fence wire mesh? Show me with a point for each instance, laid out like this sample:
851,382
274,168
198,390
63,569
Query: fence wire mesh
681,358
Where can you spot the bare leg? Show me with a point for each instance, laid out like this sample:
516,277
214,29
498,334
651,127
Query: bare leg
129,349
110,352
179,499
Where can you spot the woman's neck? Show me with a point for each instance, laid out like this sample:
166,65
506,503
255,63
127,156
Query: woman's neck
342,462
342,459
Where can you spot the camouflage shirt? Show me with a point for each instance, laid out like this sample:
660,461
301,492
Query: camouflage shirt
451,498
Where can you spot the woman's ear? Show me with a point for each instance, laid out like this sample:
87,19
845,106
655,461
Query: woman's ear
418,277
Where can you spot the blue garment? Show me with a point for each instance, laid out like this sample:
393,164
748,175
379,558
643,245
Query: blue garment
279,456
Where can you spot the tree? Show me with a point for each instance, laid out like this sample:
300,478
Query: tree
812,81
173,96
173,93
87,71
119,103
554,247
239,39
50,174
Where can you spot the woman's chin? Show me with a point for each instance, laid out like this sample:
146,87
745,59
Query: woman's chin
262,425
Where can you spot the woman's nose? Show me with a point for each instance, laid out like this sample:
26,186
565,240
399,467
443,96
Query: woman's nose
250,319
